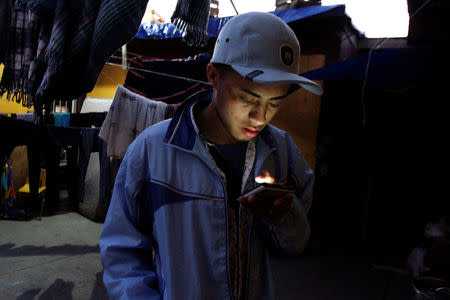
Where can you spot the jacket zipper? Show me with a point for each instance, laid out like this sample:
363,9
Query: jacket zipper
248,257
249,242
226,217
226,233
226,212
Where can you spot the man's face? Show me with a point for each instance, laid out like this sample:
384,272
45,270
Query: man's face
242,107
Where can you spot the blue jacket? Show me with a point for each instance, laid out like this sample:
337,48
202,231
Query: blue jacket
169,200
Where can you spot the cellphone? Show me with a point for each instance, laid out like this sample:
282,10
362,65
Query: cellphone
269,190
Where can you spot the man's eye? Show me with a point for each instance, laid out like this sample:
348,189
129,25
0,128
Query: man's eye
274,104
246,100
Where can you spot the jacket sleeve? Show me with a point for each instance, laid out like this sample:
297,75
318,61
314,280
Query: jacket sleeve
124,249
291,233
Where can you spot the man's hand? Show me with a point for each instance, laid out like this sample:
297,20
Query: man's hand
270,209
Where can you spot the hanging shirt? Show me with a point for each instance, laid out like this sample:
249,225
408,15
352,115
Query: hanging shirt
127,117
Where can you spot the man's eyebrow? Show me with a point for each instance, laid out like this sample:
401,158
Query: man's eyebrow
251,93
258,96
279,97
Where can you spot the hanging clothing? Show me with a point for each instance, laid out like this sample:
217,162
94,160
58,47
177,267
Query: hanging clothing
16,50
141,79
4,25
56,49
128,116
191,17
91,143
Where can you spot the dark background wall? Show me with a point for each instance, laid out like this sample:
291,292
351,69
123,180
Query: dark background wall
383,166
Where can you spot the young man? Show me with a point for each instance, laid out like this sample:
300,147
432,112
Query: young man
177,226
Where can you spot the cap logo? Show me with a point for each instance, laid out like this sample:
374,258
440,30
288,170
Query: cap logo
287,55
253,74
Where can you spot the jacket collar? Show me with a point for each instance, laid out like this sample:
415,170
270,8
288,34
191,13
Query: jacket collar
182,130
267,136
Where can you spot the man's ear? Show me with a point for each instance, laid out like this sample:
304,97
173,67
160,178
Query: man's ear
212,74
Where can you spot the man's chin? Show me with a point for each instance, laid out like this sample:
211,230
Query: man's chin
243,138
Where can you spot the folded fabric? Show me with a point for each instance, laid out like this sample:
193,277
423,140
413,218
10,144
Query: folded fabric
62,120
29,117
96,105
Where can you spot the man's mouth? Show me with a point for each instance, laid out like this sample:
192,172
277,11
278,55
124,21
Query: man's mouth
250,132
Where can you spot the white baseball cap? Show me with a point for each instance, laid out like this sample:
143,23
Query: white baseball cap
263,48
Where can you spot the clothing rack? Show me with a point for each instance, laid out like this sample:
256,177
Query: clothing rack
160,73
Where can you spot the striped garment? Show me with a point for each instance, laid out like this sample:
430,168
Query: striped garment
191,17
56,49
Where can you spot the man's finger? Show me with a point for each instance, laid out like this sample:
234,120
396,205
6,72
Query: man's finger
284,201
243,200
251,199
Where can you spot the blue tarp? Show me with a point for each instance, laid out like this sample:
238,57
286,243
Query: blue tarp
150,30
388,68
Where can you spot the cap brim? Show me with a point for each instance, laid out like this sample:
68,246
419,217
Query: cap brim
276,76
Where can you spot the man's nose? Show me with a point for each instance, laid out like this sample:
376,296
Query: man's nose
258,115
